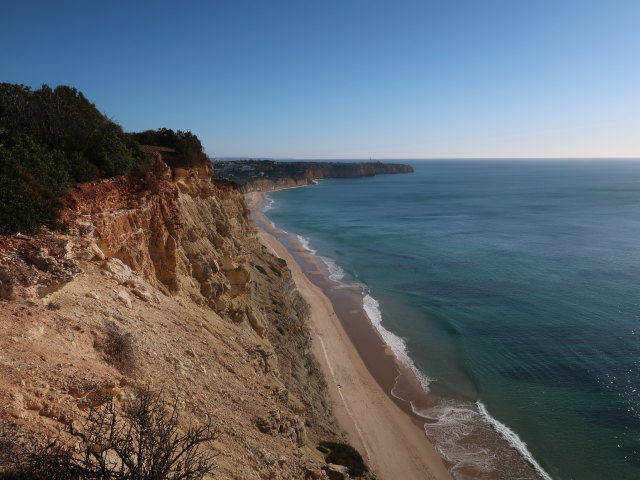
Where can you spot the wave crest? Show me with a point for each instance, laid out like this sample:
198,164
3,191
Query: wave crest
268,204
305,244
397,344
512,438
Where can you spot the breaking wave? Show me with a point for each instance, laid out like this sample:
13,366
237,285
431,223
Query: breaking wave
513,439
336,273
397,344
267,204
305,244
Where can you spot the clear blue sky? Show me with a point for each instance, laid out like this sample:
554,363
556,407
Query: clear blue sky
347,78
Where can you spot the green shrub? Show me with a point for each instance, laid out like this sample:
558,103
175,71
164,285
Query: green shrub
63,119
275,270
51,139
260,269
30,184
54,306
223,182
187,145
321,449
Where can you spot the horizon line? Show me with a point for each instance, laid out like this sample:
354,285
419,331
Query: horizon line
275,158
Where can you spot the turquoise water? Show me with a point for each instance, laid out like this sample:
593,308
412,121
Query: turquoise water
514,284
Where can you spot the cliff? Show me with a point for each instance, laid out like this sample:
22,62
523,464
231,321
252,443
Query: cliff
265,175
172,264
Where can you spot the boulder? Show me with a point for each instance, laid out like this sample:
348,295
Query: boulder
256,320
336,472
124,298
96,251
119,271
145,295
228,263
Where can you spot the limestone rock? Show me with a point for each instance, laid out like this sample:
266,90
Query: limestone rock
238,278
228,263
275,423
336,472
220,305
161,170
35,332
314,473
124,298
144,294
265,424
32,267
256,320
119,271
97,252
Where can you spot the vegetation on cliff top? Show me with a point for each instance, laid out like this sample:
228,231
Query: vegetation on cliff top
187,146
51,139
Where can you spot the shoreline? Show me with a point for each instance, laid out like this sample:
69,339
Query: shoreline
384,429
467,440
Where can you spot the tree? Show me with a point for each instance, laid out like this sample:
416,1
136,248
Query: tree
51,139
187,145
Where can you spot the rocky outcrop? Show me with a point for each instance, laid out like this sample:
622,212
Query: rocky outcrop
185,236
172,263
34,267
266,175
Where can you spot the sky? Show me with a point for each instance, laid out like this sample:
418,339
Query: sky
347,78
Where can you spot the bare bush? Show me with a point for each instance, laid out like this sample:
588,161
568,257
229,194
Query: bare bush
119,348
7,443
141,441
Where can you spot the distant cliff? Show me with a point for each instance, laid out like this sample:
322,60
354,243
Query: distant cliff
265,175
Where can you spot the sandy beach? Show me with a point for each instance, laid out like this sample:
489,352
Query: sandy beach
393,443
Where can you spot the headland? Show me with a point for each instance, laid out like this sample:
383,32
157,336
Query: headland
266,175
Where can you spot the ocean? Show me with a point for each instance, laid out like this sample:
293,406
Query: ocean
512,289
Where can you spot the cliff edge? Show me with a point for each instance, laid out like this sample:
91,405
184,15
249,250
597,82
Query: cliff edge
170,265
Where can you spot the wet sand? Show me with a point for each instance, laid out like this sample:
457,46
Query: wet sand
360,369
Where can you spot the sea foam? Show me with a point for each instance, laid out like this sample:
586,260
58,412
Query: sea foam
449,425
336,273
452,427
397,344
513,439
452,422
305,244
268,204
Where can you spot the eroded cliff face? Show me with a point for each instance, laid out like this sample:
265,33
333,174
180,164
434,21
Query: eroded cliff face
188,238
174,263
